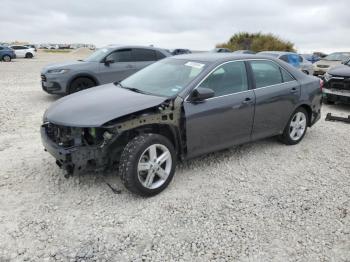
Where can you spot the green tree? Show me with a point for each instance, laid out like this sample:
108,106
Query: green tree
257,42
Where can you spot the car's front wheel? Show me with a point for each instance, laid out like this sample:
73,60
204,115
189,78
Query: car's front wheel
81,83
29,55
296,127
147,164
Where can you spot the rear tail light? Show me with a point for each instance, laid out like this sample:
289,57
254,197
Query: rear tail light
321,84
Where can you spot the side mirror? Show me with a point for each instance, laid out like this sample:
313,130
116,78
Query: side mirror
108,61
201,93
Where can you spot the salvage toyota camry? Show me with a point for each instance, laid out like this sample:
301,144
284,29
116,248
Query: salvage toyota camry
176,109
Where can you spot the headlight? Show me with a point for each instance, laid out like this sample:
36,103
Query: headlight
57,71
45,117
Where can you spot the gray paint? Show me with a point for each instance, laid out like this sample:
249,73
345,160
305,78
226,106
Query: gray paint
96,106
213,124
98,71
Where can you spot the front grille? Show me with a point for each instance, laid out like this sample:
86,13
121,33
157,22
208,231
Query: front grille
60,135
43,78
323,66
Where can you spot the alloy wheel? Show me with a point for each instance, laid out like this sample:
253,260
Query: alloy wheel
154,166
297,126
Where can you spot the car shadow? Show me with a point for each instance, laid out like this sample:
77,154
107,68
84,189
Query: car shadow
111,179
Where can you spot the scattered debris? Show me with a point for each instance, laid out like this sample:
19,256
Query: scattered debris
115,191
329,117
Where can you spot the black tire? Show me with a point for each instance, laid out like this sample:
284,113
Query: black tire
129,160
81,83
29,55
6,58
286,136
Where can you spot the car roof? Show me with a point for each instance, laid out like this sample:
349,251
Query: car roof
132,46
220,57
277,52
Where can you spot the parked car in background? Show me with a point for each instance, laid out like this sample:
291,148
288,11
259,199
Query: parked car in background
320,54
6,54
244,52
337,84
106,65
32,46
292,58
329,61
221,50
179,108
311,57
22,51
180,51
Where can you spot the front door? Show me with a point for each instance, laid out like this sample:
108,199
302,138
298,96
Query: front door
121,65
227,118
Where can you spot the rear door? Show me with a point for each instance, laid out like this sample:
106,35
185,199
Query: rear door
277,93
225,119
121,67
19,50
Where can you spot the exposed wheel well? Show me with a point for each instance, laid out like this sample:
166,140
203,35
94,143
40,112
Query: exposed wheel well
309,112
164,130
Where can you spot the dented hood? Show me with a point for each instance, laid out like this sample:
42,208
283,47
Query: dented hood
96,106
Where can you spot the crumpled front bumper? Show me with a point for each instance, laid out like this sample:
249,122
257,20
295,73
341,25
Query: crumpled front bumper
75,158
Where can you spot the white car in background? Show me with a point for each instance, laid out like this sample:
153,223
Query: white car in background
22,51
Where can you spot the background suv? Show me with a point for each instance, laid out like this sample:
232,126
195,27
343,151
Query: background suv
23,51
6,54
106,65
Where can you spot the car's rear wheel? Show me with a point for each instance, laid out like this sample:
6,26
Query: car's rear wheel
81,83
6,58
147,164
29,55
296,127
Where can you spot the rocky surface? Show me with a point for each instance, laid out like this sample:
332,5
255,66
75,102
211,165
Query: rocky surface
262,201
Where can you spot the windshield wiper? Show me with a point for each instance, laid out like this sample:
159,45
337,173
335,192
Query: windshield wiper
132,89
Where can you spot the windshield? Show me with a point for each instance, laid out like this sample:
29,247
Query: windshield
164,78
337,57
97,56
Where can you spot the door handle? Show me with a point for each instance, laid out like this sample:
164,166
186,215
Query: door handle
294,90
247,100
129,66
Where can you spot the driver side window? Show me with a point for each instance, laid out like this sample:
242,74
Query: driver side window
227,79
120,56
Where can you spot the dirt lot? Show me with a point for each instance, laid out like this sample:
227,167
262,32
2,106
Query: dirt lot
263,201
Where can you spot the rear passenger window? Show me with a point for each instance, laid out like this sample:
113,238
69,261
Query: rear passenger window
227,79
286,76
144,55
266,73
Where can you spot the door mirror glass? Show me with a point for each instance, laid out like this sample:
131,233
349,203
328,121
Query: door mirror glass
202,93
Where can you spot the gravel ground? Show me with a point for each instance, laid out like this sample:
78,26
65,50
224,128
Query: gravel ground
262,201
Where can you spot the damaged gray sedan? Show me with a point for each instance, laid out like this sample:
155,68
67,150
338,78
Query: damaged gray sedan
178,108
